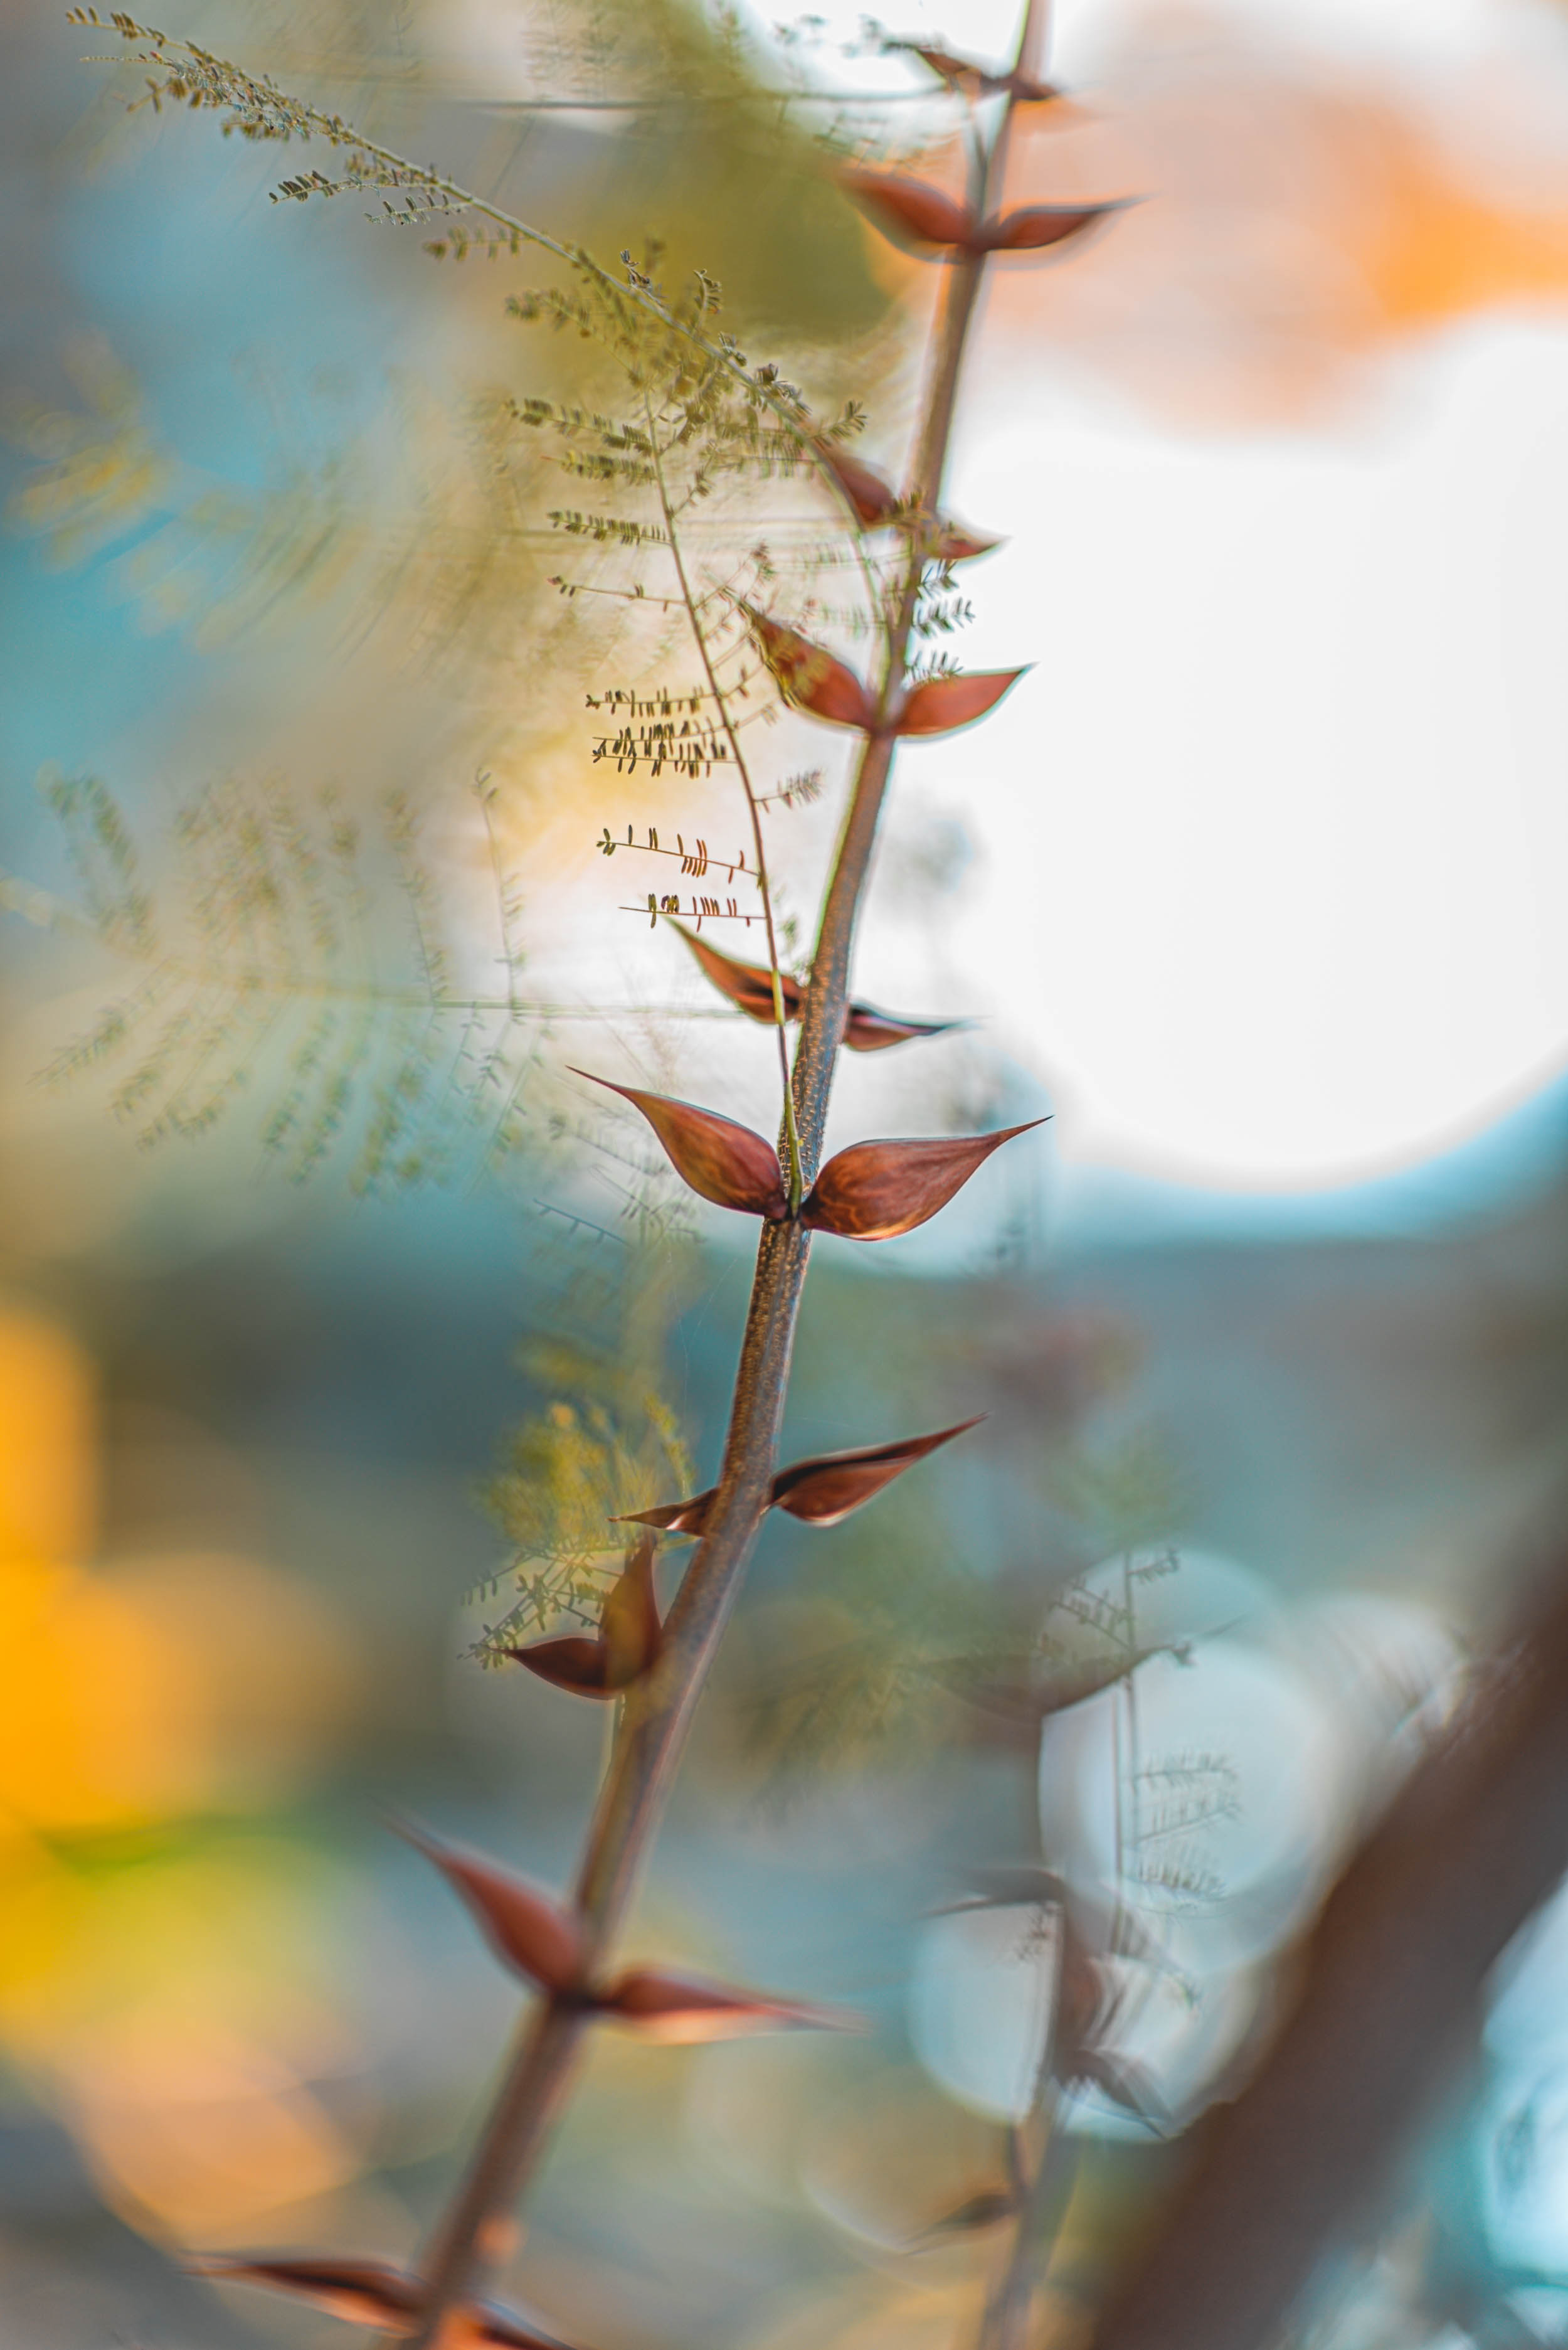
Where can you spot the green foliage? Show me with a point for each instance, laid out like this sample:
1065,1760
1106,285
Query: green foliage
277,954
1122,1494
276,964
717,156
703,413
187,75
843,1688
606,1440
104,856
261,955
569,1472
879,1651
726,416
835,1705
853,1669
388,1058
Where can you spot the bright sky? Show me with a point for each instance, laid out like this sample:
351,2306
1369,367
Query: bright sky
1272,858
1272,846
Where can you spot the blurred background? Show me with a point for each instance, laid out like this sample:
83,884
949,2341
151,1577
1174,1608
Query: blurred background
335,1318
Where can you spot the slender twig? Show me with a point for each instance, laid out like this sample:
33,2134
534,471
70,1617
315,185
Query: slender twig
471,2239
47,912
423,181
476,2230
682,103
732,734
1006,2305
1042,2190
485,792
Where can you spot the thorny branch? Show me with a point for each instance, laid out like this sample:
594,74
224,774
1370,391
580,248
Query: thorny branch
476,2233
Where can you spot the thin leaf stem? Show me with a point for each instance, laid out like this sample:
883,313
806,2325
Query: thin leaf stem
1043,2188
422,181
731,735
485,793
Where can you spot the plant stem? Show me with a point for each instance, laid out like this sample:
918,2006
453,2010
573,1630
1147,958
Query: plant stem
473,2239
1041,2192
791,1140
1043,2198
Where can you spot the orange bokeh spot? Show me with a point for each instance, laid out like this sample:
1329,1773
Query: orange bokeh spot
89,1696
49,1471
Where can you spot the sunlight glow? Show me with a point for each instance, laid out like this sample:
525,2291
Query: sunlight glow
1269,850
1269,844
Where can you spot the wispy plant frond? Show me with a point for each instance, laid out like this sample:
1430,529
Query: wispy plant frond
569,1472
1123,1496
605,1435
269,963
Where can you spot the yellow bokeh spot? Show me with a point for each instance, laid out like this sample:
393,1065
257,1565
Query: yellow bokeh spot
167,1685
157,1995
49,1466
89,1694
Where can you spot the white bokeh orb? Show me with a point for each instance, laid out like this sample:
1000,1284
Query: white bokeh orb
1171,1591
980,2004
981,2008
1208,1789
1392,1671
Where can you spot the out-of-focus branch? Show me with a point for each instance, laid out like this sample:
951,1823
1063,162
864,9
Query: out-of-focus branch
1391,1978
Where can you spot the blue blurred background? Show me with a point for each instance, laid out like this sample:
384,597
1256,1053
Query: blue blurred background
1254,884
